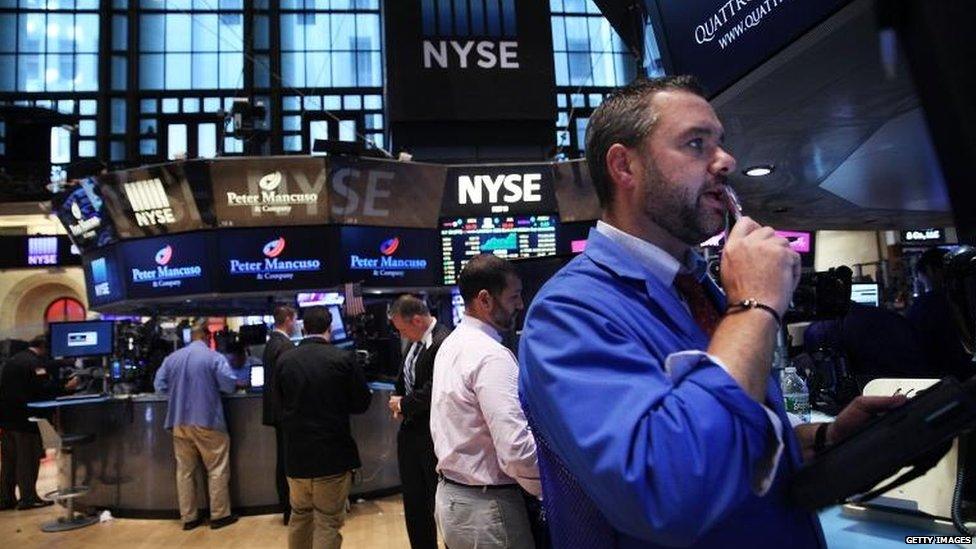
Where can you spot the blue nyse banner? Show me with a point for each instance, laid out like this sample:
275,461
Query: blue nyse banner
720,41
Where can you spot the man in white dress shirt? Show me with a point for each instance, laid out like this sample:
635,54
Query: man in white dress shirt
484,448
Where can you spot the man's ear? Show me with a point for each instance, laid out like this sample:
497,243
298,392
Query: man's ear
623,168
483,297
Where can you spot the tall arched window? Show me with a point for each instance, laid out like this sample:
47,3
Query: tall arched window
64,309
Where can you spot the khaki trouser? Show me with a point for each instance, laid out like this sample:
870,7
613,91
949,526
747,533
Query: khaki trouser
190,443
318,502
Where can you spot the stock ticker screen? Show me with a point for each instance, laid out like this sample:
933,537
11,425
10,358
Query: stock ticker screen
508,237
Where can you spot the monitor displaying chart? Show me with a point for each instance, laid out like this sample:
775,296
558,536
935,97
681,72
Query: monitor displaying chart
509,237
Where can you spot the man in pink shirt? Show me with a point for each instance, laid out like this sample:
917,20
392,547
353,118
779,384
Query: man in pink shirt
484,448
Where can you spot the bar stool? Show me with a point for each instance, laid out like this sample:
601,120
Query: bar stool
64,444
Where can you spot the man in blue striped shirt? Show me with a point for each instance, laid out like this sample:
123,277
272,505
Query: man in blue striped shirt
194,377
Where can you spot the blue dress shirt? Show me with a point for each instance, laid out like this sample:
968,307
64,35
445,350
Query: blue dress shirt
633,451
194,377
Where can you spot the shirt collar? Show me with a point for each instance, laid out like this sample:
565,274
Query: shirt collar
282,332
428,338
484,327
659,263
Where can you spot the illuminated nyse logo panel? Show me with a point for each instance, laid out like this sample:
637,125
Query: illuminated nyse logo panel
99,273
42,250
509,237
475,35
149,202
500,190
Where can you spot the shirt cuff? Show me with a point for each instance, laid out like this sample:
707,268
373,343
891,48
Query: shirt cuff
680,364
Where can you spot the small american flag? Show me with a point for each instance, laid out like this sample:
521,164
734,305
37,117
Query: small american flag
354,300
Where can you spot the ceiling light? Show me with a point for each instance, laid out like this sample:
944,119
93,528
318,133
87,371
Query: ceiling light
759,171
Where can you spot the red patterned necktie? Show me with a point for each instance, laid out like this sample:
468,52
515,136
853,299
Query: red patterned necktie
702,308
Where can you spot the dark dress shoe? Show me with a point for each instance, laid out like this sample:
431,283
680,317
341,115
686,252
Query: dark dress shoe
192,524
220,523
7,506
33,504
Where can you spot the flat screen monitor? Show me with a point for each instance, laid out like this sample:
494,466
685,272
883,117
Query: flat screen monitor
81,339
509,237
167,266
457,307
535,273
866,294
338,326
254,334
82,213
801,242
257,377
389,257
311,299
261,260
572,236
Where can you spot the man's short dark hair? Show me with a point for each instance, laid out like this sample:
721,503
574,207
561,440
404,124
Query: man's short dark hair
236,348
484,272
932,259
317,320
408,306
624,117
38,342
282,313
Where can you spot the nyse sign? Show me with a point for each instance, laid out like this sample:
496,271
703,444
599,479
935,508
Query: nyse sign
517,188
384,193
447,54
371,200
506,189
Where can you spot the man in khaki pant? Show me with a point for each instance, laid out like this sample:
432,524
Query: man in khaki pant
318,387
194,377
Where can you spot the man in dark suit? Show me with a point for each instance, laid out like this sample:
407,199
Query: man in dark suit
25,378
278,343
411,402
319,386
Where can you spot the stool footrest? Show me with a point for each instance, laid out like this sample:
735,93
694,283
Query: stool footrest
63,524
67,493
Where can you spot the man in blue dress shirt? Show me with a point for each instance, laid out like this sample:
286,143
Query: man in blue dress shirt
194,377
657,420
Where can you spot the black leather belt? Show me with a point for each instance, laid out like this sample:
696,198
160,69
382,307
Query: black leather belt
477,486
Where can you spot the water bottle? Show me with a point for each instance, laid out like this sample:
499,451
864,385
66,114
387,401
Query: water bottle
795,394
